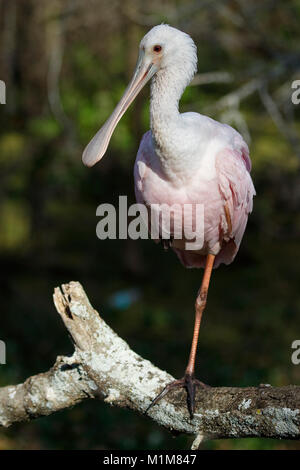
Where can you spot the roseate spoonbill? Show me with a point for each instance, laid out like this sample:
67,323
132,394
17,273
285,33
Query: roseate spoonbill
185,158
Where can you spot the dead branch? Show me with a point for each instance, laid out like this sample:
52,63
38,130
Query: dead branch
103,366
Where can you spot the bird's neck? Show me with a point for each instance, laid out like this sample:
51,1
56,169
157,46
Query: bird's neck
165,119
166,92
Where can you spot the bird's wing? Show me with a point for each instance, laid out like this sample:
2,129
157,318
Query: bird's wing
236,187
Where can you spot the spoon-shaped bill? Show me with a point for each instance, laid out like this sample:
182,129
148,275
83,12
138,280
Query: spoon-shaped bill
95,150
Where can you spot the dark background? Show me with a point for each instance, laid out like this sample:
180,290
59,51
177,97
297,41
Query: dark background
66,64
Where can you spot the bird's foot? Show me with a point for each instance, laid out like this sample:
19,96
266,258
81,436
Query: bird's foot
189,382
166,243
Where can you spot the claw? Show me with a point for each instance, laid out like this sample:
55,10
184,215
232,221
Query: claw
167,243
168,387
189,383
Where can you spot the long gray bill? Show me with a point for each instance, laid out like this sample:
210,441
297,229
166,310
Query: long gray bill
97,147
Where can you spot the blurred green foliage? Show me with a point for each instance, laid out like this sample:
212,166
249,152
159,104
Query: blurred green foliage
66,66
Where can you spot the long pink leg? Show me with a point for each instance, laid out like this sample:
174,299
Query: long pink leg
199,308
189,382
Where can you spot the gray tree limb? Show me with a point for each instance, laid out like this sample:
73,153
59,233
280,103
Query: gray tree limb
103,366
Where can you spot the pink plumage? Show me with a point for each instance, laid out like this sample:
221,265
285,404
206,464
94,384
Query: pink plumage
230,185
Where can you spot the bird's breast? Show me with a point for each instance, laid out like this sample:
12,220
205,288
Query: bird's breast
178,204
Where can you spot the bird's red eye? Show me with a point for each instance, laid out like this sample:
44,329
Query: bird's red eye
157,48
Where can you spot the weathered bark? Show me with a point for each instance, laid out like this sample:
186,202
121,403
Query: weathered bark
103,366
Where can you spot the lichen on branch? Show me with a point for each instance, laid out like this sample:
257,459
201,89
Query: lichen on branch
104,366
